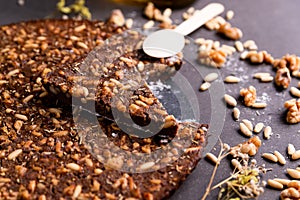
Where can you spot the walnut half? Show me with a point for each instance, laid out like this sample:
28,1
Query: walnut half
249,95
293,114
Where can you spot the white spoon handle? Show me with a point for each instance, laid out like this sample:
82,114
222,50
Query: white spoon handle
200,18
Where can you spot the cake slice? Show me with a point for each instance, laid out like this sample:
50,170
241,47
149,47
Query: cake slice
45,154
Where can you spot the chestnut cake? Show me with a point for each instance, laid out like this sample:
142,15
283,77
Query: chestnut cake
44,153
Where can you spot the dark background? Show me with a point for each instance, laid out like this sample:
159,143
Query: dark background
273,24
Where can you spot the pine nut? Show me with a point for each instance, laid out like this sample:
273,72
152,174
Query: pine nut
232,79
129,23
236,164
248,43
253,47
211,77
230,100
239,46
282,181
259,105
270,157
245,130
21,117
296,155
200,41
258,127
216,45
291,149
244,55
60,133
280,157
295,92
274,184
148,24
211,157
293,173
228,49
28,98
229,14
268,132
248,124
77,191
73,166
266,79
204,86
167,12
236,113
147,165
259,75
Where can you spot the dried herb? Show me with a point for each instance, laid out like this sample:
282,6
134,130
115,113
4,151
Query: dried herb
244,182
77,8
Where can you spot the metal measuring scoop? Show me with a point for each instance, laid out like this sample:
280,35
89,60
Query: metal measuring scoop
168,42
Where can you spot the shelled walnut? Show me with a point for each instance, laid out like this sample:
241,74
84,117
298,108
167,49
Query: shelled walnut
249,95
283,77
292,191
259,57
293,114
230,32
292,62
